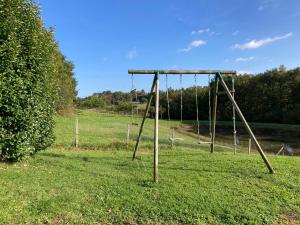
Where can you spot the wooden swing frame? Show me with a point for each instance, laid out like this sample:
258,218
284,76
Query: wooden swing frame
154,92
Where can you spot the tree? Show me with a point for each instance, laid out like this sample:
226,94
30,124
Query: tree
27,80
66,83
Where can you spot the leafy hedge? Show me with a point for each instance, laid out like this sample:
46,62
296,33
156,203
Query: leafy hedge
27,80
66,84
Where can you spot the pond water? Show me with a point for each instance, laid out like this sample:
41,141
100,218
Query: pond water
270,139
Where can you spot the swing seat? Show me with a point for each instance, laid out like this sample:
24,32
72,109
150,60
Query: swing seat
204,142
176,139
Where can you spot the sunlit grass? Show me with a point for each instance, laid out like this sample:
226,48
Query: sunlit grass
100,184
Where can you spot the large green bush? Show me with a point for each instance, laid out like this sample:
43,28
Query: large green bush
27,80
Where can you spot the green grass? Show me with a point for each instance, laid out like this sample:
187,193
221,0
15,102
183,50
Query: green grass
67,186
108,131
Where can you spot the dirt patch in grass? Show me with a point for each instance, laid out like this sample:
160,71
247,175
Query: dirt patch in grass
289,219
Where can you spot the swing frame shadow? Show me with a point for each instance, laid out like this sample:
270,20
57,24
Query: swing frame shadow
218,79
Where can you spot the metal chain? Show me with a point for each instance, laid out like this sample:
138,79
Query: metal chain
233,117
131,94
168,100
181,100
209,105
197,110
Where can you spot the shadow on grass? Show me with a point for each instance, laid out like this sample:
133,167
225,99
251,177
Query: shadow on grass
207,165
8,161
178,144
246,172
126,163
79,157
147,183
118,145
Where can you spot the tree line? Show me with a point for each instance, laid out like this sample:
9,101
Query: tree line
272,96
36,80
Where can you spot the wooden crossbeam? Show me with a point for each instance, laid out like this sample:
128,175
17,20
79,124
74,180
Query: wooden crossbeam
223,72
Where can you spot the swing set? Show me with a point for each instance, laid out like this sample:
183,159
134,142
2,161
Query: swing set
218,78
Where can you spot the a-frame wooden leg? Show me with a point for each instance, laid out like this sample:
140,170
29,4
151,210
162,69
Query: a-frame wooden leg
155,162
145,116
239,112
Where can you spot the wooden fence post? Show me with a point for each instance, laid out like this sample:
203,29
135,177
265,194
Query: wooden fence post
173,138
249,146
76,133
128,136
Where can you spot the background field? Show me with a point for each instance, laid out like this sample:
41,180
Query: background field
105,130
100,184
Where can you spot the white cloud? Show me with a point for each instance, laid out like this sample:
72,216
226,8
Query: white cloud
197,43
241,59
132,54
193,44
201,31
241,72
260,43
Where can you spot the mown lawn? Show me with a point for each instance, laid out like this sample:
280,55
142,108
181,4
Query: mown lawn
76,187
64,185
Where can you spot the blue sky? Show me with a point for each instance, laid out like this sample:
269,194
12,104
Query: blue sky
105,38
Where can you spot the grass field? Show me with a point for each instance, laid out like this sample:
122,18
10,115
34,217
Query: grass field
99,184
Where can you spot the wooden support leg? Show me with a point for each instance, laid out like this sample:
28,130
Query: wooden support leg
280,150
239,112
156,130
144,117
214,115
